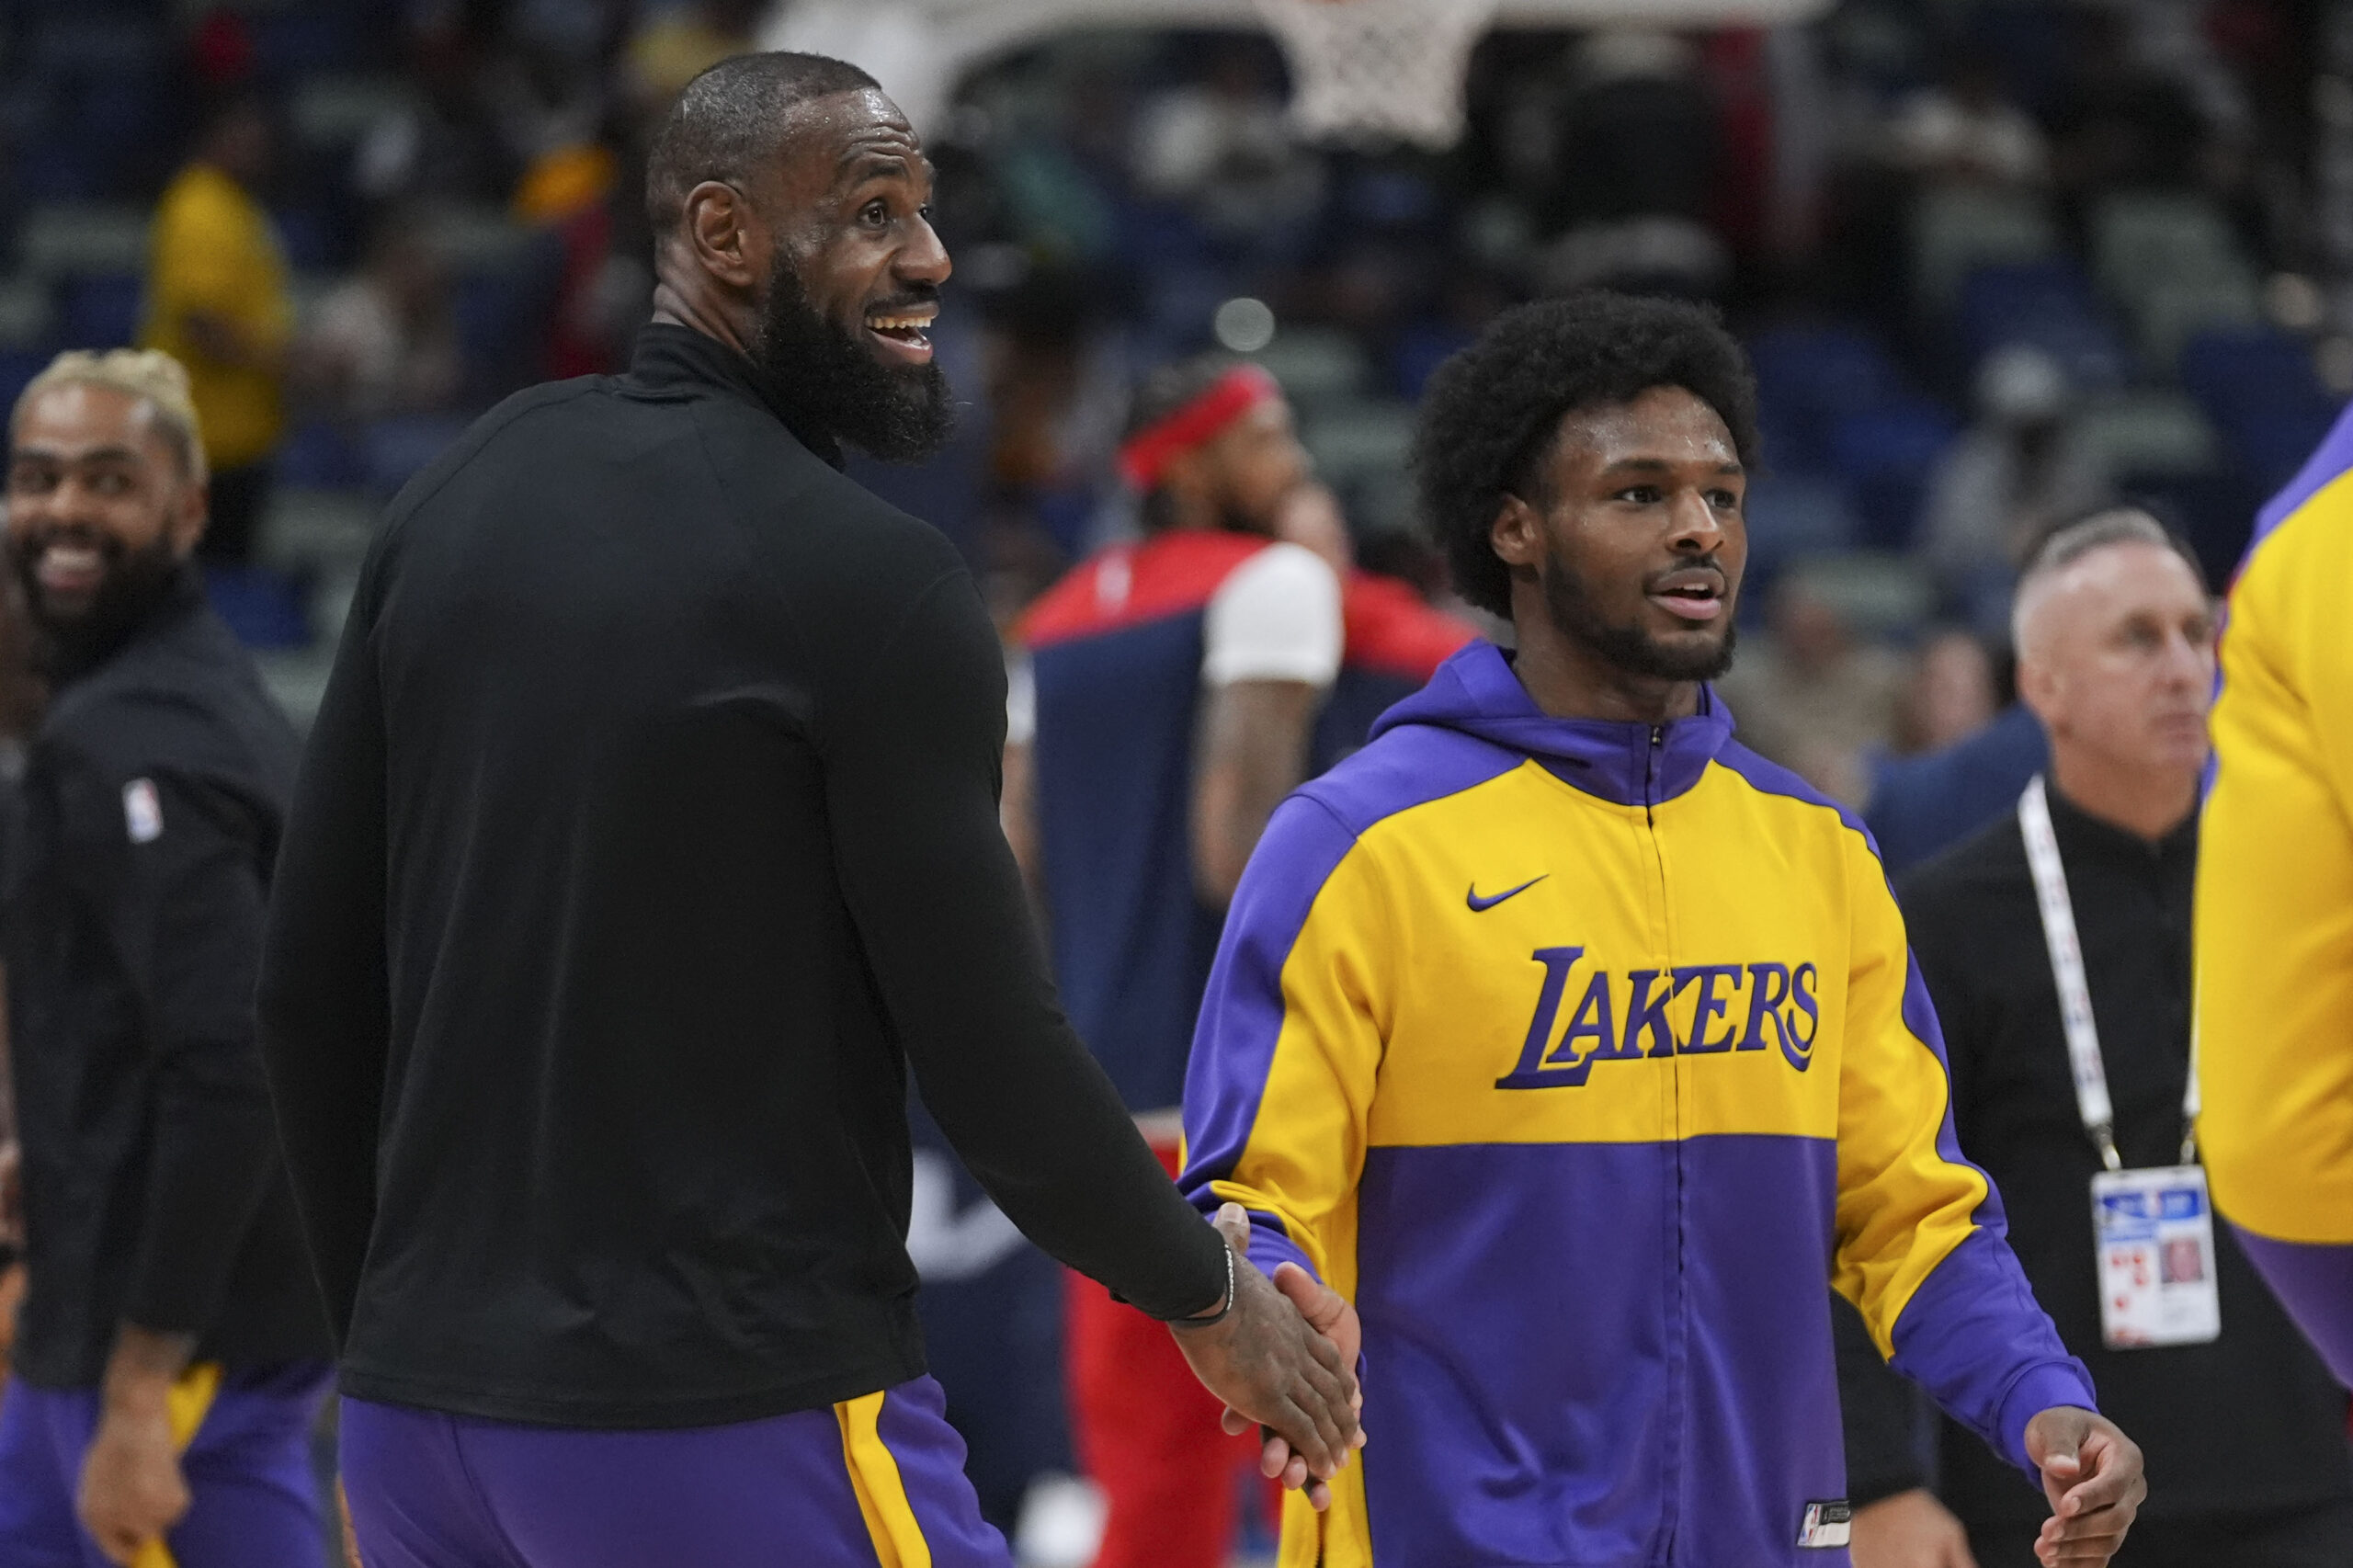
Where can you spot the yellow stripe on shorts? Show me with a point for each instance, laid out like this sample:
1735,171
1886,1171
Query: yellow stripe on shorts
185,1406
882,1493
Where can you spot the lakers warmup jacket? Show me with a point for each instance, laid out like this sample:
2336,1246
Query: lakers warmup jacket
1583,1057
2275,906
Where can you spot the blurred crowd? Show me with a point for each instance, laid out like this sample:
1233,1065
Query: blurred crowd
1998,262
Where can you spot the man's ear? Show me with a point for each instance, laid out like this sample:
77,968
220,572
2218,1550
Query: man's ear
2042,689
724,234
1517,536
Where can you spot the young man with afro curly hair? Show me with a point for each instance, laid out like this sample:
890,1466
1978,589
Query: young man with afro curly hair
1577,1047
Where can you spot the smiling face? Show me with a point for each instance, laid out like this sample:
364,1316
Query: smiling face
853,281
101,508
1632,551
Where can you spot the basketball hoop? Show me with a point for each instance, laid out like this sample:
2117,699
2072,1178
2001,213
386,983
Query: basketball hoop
1378,70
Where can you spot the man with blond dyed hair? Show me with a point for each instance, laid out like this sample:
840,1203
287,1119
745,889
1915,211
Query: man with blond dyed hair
171,1351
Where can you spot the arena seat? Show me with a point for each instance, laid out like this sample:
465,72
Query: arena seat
101,310
2260,389
1807,378
2148,433
67,238
2049,304
1360,437
2141,238
1956,229
2172,311
392,450
1886,455
1316,365
1792,516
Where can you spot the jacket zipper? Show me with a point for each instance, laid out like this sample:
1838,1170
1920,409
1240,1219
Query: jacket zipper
1650,772
1679,1394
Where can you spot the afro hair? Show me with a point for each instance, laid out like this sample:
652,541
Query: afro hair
1491,411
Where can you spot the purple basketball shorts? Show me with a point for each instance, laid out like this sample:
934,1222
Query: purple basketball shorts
254,1501
872,1482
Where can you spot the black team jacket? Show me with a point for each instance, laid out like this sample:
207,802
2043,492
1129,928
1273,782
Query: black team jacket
646,836
151,807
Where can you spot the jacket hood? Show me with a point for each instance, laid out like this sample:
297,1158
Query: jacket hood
1476,693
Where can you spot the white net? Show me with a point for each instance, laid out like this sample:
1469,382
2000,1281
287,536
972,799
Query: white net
1378,69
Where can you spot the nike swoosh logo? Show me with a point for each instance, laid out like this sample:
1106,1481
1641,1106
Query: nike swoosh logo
1481,905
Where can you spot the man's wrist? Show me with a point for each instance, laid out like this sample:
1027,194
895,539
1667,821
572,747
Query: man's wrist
2052,1385
146,1362
1224,1307
140,1400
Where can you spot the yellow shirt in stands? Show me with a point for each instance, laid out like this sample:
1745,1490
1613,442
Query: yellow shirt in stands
213,251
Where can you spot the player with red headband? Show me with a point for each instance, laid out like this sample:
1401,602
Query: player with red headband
1176,682
1394,639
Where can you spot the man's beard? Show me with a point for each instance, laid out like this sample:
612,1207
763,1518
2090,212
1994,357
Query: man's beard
134,586
1629,648
899,416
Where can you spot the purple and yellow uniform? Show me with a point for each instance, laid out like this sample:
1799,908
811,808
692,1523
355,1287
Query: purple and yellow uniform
1579,1055
242,1439
140,859
2275,907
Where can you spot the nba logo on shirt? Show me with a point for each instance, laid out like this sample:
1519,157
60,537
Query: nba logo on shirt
142,811
1826,1524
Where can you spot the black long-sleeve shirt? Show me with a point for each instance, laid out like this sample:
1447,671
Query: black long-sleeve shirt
2250,1422
647,832
150,810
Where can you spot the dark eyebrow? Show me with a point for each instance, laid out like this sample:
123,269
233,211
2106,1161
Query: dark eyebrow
1660,465
860,167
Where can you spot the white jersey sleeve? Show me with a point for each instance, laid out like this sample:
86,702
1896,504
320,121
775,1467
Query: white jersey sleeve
1276,618
1020,700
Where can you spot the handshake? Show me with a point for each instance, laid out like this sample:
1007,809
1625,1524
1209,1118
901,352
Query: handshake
1282,1354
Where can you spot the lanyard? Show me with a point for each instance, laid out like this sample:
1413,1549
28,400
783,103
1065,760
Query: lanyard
2084,1060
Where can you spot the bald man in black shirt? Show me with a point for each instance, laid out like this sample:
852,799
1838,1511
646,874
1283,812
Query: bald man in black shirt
647,835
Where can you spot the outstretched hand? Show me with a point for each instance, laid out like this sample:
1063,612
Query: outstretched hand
1274,1369
2091,1472
1328,1313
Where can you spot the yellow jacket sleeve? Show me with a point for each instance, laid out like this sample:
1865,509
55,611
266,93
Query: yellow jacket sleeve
1922,1248
1281,1086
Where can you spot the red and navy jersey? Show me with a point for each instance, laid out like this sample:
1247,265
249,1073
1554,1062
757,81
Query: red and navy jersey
1116,650
1395,642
